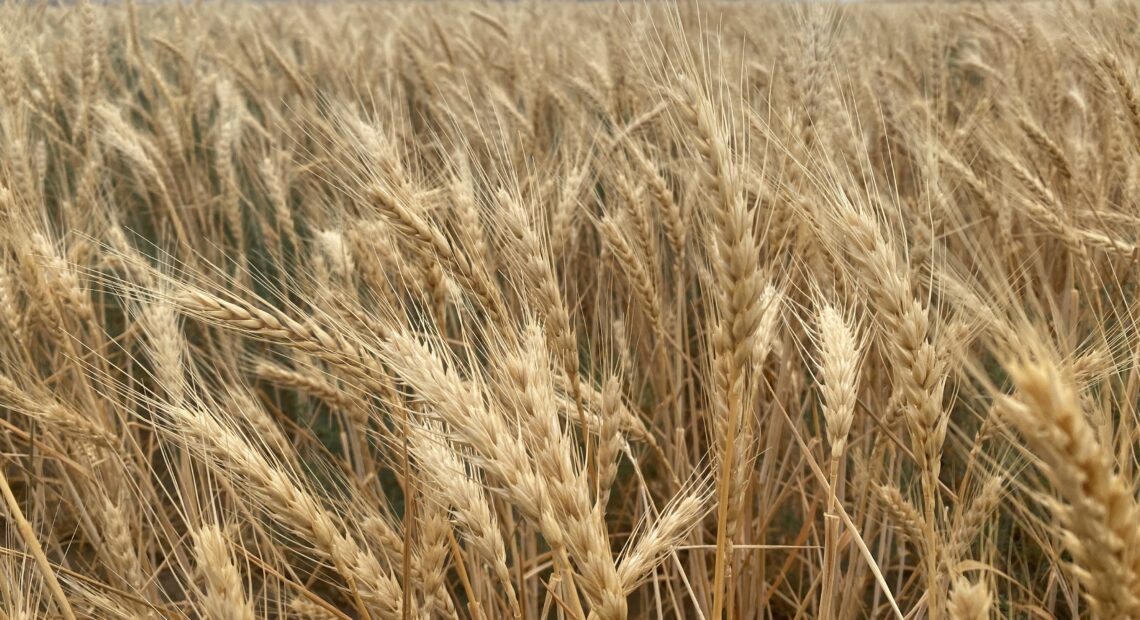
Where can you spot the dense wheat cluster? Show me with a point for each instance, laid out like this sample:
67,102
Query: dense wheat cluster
597,311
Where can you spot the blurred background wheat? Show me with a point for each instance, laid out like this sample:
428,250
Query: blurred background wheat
585,311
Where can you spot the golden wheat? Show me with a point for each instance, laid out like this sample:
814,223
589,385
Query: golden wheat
589,311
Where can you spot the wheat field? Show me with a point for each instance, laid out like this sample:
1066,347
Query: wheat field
581,311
